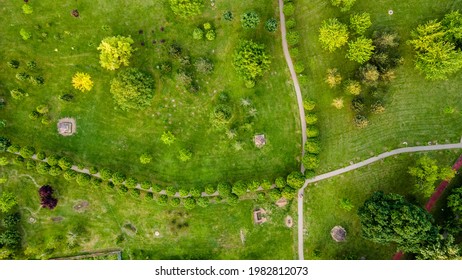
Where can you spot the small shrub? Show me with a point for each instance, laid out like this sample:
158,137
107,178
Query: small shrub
203,66
338,103
346,204
299,67
210,35
290,23
198,34
45,120
42,109
32,65
66,97
207,26
184,155
22,76
175,202
27,9
41,155
293,38
26,35
170,190
145,158
168,138
228,15
289,9
131,182
333,77
271,25
312,132
311,118
14,64
82,81
361,121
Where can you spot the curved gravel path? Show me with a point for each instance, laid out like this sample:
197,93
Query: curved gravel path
356,166
290,64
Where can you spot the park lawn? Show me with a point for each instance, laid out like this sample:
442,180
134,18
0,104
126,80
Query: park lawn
63,45
201,233
414,106
323,211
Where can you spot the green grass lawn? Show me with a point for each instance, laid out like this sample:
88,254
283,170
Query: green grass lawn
63,45
323,212
111,219
414,106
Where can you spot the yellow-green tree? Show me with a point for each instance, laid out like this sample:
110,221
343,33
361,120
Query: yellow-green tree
82,81
115,51
333,34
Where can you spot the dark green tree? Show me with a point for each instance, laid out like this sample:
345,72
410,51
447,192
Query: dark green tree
250,60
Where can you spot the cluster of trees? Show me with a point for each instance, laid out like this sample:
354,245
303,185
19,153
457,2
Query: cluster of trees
33,78
312,147
10,235
390,219
437,46
250,61
206,30
293,37
41,113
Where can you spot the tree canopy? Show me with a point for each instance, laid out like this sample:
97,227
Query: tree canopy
389,218
333,34
250,19
359,23
250,60
7,201
344,5
186,8
437,47
115,51
132,89
360,50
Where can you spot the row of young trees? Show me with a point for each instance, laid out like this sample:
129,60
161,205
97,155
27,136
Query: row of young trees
230,193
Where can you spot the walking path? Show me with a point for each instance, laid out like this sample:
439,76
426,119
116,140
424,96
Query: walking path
434,198
356,166
298,92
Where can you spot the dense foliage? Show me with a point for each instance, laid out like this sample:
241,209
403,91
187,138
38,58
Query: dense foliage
132,89
186,8
250,60
333,34
115,52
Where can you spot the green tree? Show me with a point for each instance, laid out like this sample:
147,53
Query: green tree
198,34
426,173
64,163
115,52
203,201
7,201
118,178
4,144
233,199
360,50
333,34
224,189
186,8
436,57
250,60
132,89
189,203
310,161
105,173
289,9
184,155
250,19
389,218
312,146
442,249
145,158
168,138
271,25
455,201
175,201
295,179
239,188
288,193
83,179
344,5
4,161
162,200
359,23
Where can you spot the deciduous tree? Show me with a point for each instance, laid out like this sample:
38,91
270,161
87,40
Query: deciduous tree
132,89
333,34
115,52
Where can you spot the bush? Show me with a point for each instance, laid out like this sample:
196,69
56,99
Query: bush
271,25
18,94
184,155
105,173
36,81
311,118
27,151
93,170
250,60
168,138
13,148
210,189
239,188
175,202
42,168
55,171
189,203
228,15
288,9
32,65
27,9
310,161
195,192
69,175
118,178
186,8
145,158
41,155
45,120
83,179
224,189
309,105
42,109
275,194
14,64
295,179
210,35
162,200
170,190
66,97
198,34
203,66
131,182
361,121
115,52
346,204
146,185
53,160
292,38
312,132
290,23
183,192
250,20
156,188
203,201
132,89
22,76
26,35
299,67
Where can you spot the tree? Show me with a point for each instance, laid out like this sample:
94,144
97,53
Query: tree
4,161
27,9
442,249
360,50
189,203
353,87
46,197
27,151
168,138
228,15
312,146
145,158
186,8
18,94
198,34
333,77
338,103
344,5
311,118
426,172
4,144
295,179
436,57
70,175
83,179
175,201
115,52
162,200
388,218
271,25
250,19
312,132
359,23
289,9
452,23
7,201
132,89
233,199
55,171
275,194
292,38
250,60
210,35
105,173
239,188
369,74
224,189
131,182
455,201
195,191
42,168
82,81
53,160
333,34
309,105
203,201
64,163
118,178
310,161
